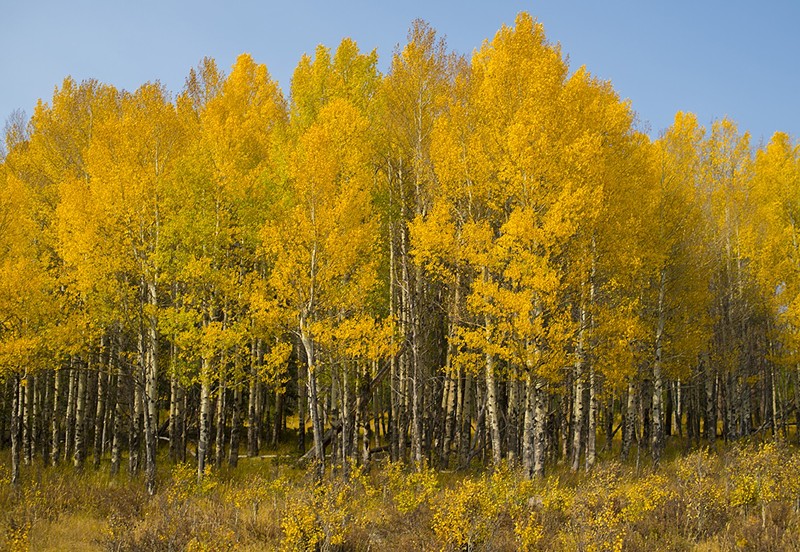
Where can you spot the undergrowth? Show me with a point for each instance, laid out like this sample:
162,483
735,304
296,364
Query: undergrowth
745,498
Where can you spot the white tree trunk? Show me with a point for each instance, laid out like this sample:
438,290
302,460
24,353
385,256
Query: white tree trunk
205,417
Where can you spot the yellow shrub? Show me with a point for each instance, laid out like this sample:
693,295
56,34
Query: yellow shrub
185,484
702,502
218,541
250,496
470,513
644,496
410,490
461,515
18,537
557,498
529,531
301,530
763,475
322,516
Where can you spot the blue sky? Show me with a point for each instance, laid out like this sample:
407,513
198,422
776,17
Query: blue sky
711,57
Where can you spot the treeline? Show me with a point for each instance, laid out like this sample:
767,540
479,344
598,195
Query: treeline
458,260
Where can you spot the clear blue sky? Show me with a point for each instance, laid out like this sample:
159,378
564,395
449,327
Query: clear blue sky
711,57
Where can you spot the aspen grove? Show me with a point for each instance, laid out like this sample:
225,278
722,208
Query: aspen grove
458,262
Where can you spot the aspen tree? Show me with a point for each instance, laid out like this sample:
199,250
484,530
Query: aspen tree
130,162
770,242
413,94
236,123
27,310
726,171
323,244
677,302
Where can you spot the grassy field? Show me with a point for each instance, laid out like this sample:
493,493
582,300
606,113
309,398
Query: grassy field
738,498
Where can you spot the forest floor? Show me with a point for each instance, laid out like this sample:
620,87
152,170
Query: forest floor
739,497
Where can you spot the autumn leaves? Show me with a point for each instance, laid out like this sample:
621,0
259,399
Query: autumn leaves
486,252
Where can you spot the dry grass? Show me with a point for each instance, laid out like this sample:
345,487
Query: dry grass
74,532
744,498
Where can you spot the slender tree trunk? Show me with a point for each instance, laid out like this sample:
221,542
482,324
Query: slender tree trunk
180,422
378,412
539,429
316,420
364,423
609,422
688,399
657,437
565,413
277,425
394,409
205,418
38,444
222,408
236,422
465,421
491,403
410,292
711,406
394,372
629,429
55,427
578,416
658,385
416,406
512,420
480,438
176,392
578,412
678,410
669,408
173,414
80,421
100,415
529,424
69,418
451,376
433,388
111,408
331,415
458,418
591,437
116,432
15,429
359,420
5,408
341,406
135,428
265,419
151,389
491,393
449,408
175,417
314,405
745,409
402,420
726,389
28,419
90,407
302,403
697,391
184,412
774,393
252,427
